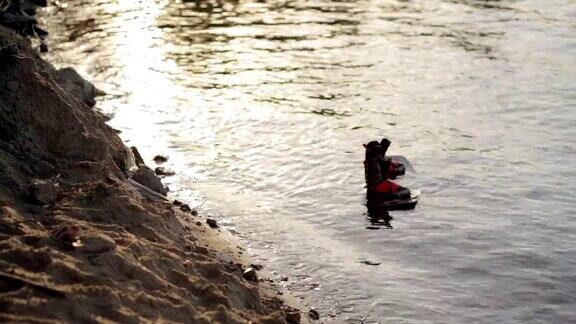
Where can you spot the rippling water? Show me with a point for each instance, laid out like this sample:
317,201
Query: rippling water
262,107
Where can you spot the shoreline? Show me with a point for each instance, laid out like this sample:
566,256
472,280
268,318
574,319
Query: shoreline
84,240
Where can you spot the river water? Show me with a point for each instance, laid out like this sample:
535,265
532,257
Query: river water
262,107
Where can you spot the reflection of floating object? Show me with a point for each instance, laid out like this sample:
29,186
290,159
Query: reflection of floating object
397,169
403,160
397,204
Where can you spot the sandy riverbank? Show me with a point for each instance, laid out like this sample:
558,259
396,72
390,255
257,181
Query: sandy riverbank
79,241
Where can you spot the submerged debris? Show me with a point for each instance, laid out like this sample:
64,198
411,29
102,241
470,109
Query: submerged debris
372,263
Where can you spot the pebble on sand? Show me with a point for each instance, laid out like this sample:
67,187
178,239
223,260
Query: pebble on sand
212,223
250,274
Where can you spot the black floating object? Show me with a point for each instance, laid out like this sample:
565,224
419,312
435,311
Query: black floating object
372,263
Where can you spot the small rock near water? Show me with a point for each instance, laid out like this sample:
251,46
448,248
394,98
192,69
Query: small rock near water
250,274
185,208
162,171
313,314
160,159
212,223
146,177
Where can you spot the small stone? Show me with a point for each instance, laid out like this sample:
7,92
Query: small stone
212,223
177,203
198,223
284,278
146,177
43,191
314,314
162,171
160,159
185,208
250,274
194,213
